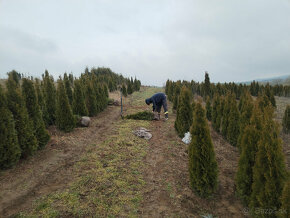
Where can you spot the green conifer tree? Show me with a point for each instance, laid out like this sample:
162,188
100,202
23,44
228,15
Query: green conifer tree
184,113
129,88
215,111
269,171
124,90
68,88
170,91
233,123
176,96
79,106
9,148
34,112
91,99
207,86
202,162
49,96
246,111
220,111
208,109
23,125
249,140
41,102
269,93
286,120
285,200
65,120
225,116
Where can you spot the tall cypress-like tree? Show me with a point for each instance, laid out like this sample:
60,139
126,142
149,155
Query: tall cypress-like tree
34,112
177,89
269,93
9,148
207,87
41,102
245,118
124,90
24,127
64,117
79,106
220,111
184,113
68,88
286,120
233,123
203,169
249,139
286,200
129,88
208,109
215,110
49,96
225,116
269,171
91,100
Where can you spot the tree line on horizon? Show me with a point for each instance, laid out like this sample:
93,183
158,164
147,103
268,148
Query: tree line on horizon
28,106
262,179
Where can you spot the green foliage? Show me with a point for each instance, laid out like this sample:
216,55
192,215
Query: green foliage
202,163
144,115
215,112
9,148
208,109
65,120
68,88
49,96
250,137
285,199
177,89
41,102
269,93
246,111
34,112
23,125
124,90
129,88
207,86
233,123
286,120
79,106
269,171
184,113
91,100
136,85
225,116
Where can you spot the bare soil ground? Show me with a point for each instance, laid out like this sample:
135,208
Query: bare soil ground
106,171
51,168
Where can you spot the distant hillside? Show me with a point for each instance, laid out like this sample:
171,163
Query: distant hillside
284,80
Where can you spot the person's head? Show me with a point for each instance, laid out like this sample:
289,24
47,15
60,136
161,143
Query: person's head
147,101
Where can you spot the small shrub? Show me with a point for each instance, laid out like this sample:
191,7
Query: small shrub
144,115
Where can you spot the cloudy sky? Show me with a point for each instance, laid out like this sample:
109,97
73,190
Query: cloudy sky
152,39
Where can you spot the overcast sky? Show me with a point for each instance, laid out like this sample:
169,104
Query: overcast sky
152,39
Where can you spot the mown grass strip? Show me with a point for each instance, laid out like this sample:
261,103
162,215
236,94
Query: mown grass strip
109,181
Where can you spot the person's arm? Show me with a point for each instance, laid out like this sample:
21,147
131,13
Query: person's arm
154,104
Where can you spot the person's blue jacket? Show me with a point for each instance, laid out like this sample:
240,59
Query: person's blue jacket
158,100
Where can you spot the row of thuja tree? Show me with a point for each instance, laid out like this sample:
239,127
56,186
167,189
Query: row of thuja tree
28,106
262,180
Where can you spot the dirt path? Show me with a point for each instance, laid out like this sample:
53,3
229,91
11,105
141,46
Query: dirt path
51,168
167,192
